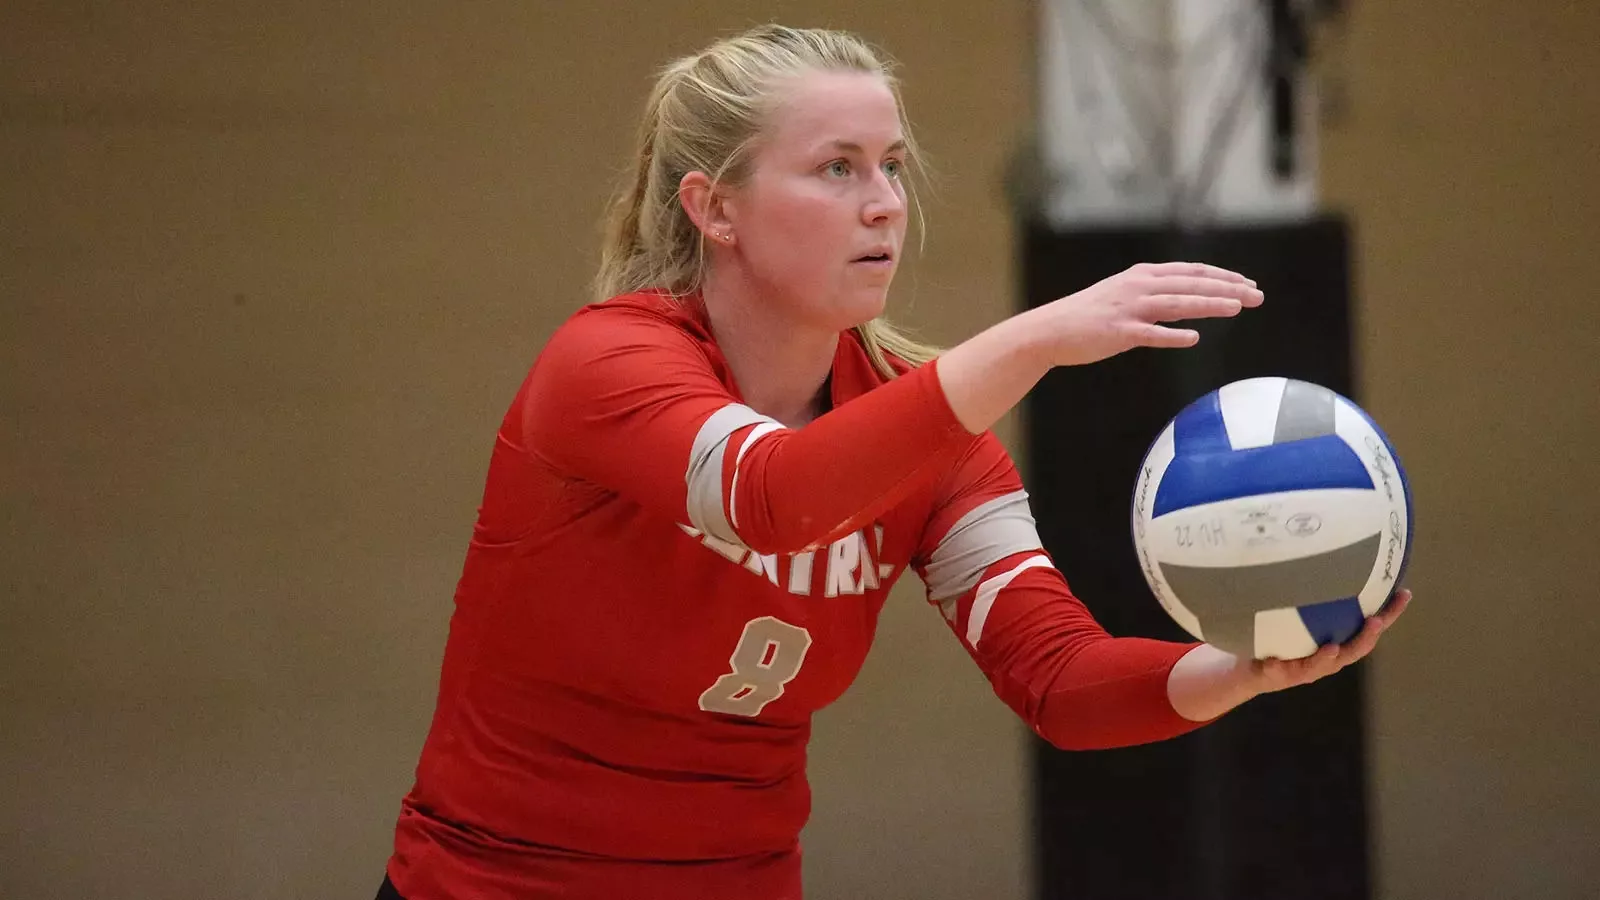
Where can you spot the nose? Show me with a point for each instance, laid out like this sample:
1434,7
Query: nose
886,200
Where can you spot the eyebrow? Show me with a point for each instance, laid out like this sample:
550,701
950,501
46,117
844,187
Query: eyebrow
853,147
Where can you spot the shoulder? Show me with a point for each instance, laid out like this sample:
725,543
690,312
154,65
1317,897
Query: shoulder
626,350
612,361
628,319
623,337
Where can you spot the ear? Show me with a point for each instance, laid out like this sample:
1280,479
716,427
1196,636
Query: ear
706,207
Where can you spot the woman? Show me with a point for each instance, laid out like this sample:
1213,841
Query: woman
708,483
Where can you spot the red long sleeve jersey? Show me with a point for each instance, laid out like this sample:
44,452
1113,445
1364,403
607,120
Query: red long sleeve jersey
663,585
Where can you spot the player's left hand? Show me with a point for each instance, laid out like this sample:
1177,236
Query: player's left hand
1278,674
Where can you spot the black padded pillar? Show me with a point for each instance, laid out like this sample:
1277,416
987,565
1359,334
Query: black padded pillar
1269,802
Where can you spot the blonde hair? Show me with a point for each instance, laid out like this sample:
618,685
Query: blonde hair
705,114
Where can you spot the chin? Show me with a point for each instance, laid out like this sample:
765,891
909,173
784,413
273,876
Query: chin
863,305
860,311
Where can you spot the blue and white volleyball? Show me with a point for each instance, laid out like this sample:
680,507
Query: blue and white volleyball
1272,516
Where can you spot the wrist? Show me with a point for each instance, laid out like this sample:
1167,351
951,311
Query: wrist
1246,676
1030,338
1207,682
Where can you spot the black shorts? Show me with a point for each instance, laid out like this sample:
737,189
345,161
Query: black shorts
386,891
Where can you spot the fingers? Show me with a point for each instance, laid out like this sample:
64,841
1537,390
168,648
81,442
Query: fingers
1196,270
1396,605
1367,639
1363,643
1145,335
1176,307
1322,663
1331,658
1246,293
1287,673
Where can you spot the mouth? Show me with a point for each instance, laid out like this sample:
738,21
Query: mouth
880,259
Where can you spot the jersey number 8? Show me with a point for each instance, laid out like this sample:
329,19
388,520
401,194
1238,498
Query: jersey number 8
768,657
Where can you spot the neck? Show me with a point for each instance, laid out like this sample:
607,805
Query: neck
780,365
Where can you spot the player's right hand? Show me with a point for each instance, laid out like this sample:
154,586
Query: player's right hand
1127,309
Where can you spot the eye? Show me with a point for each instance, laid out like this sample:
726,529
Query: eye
894,168
839,168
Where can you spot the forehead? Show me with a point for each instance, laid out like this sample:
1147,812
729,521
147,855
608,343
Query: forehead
819,110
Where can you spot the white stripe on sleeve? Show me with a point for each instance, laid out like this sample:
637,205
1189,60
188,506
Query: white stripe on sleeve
990,589
733,486
703,475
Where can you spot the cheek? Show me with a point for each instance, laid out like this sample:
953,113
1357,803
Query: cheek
800,231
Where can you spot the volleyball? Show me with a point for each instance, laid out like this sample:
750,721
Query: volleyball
1272,516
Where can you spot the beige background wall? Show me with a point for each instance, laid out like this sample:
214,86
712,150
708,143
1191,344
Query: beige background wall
270,271
1469,158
